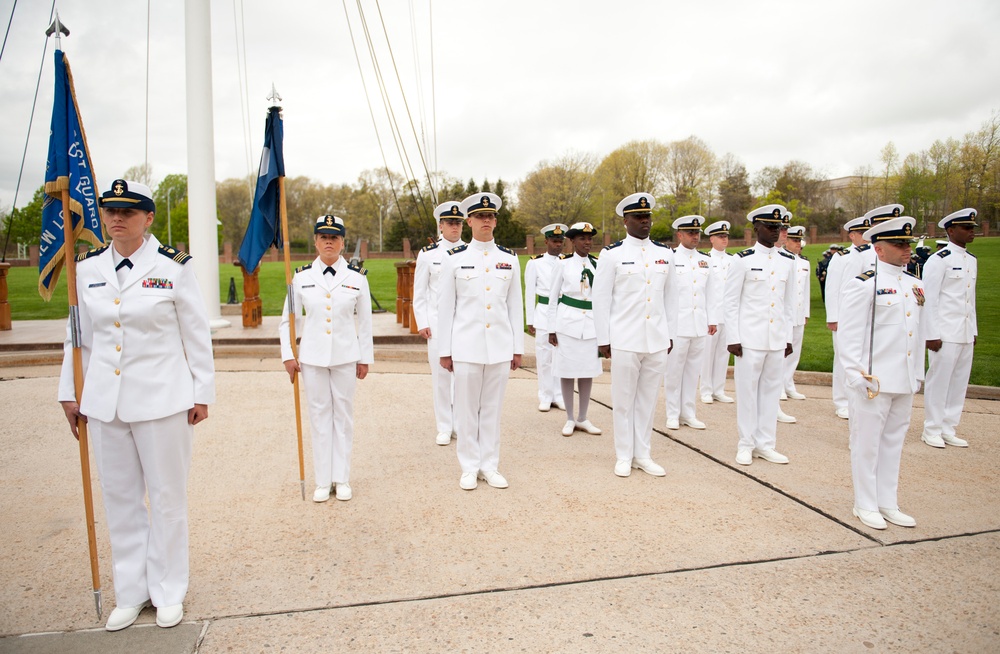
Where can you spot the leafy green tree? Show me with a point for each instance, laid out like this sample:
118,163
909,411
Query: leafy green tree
25,223
171,223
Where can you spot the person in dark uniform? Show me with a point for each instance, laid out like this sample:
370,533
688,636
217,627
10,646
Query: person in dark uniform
148,379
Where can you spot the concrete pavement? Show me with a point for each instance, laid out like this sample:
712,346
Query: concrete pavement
712,557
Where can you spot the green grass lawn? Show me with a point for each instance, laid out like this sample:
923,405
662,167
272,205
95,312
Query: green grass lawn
817,350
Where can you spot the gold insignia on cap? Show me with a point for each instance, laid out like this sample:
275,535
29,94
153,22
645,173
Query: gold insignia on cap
486,200
454,209
329,221
587,228
642,202
866,223
696,223
972,215
907,230
895,212
118,188
557,231
776,213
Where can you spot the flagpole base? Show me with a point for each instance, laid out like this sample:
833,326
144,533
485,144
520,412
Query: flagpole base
97,603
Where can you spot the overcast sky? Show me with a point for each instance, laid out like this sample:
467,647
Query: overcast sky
516,81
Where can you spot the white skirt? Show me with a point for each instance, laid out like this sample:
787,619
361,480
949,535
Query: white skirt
576,358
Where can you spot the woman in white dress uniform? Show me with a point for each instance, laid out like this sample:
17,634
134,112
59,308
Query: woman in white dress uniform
571,319
335,351
148,379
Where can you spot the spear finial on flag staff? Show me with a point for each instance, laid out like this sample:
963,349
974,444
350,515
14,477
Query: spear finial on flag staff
269,226
69,181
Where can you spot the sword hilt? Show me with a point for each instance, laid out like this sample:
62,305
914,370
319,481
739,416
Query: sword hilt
872,394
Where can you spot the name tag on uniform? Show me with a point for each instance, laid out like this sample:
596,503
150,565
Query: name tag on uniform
468,267
308,286
503,266
627,263
956,268
436,263
756,270
157,282
885,291
98,285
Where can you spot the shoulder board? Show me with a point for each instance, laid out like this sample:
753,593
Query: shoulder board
841,252
662,245
428,248
787,255
745,253
565,255
91,253
613,245
503,249
803,257
943,253
537,256
970,254
866,275
702,252
864,247
460,248
177,255
593,260
909,273
305,267
357,269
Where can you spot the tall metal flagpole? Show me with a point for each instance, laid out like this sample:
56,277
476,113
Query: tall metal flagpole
69,243
274,98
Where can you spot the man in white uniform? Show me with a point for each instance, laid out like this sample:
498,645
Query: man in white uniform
882,365
539,273
148,379
716,359
426,280
694,304
800,315
759,296
850,263
950,329
631,293
482,337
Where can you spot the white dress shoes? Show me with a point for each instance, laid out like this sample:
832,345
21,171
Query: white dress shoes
322,494
623,467
649,466
673,424
568,428
842,413
932,439
785,418
725,399
493,478
544,406
123,616
588,427
897,517
955,441
443,438
770,455
706,399
783,396
169,616
344,492
560,405
744,457
693,423
468,481
871,519
795,395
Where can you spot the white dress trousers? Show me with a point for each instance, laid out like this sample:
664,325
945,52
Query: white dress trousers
878,429
479,391
681,386
330,394
715,361
803,279
635,383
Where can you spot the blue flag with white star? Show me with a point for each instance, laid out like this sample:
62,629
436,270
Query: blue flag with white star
68,166
264,228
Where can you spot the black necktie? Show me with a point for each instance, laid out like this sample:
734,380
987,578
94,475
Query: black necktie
329,269
125,263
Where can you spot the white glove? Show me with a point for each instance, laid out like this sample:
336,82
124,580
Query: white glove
858,382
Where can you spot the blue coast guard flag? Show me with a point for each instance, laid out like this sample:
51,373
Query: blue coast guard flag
264,228
68,166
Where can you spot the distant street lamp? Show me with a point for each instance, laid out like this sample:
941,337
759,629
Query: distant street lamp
170,238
